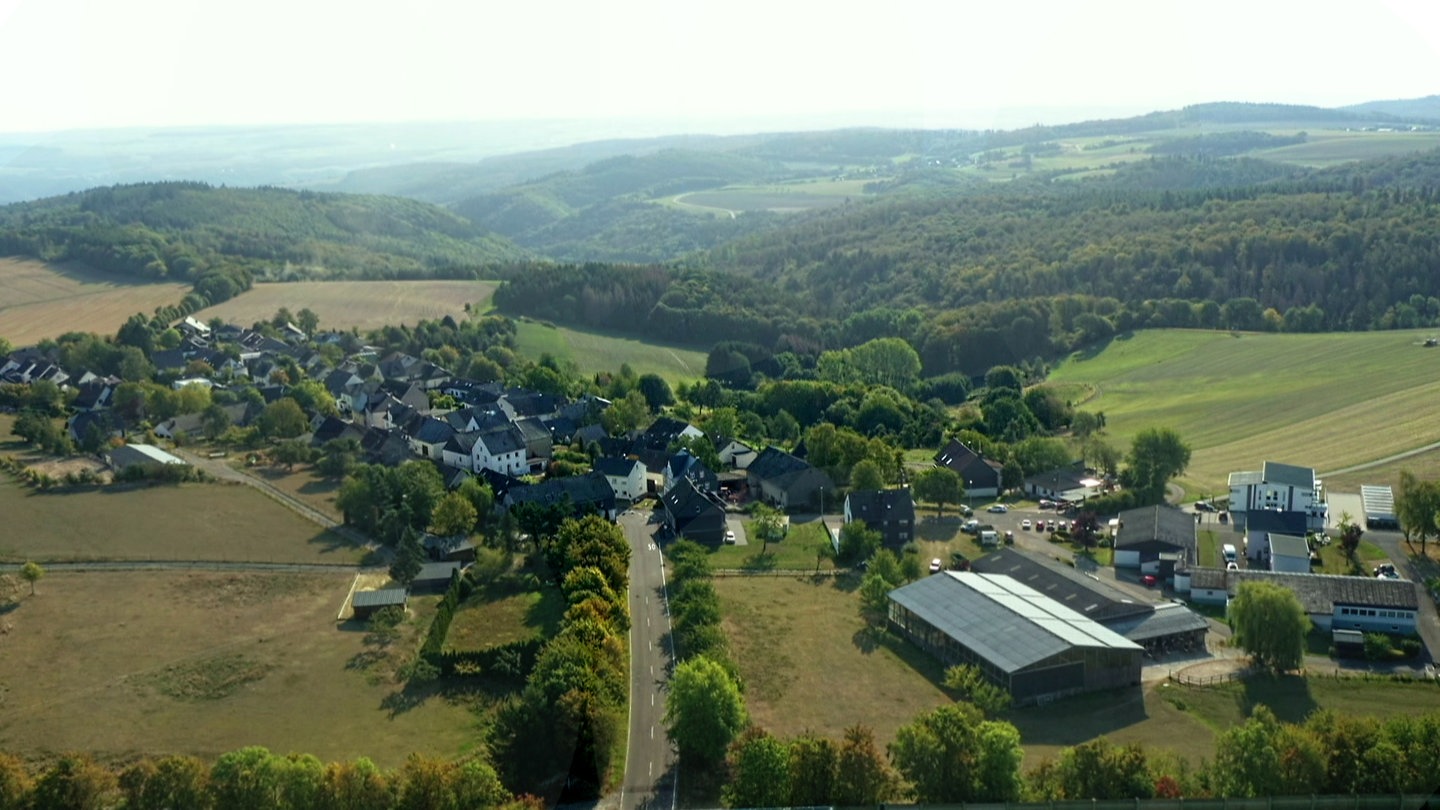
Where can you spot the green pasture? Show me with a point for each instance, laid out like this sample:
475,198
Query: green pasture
593,352
1329,147
1329,401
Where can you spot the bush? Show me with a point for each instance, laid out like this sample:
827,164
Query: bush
1377,647
1410,646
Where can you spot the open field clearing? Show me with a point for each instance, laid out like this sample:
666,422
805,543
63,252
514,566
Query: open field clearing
801,196
39,300
360,304
1326,400
1329,147
189,522
593,352
153,663
489,620
303,484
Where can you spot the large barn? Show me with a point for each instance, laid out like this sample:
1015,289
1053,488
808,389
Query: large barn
1023,641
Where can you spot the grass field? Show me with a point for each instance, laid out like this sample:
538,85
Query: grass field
593,352
39,300
795,553
123,664
488,620
360,304
190,522
1328,401
1330,147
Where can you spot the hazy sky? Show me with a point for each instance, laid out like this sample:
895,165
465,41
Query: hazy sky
101,63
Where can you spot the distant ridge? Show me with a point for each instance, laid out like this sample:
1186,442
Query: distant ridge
1426,107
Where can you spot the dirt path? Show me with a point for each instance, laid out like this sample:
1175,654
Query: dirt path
679,199
1379,461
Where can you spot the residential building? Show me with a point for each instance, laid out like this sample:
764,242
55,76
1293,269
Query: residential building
891,512
1279,488
626,476
1154,539
695,513
980,476
787,482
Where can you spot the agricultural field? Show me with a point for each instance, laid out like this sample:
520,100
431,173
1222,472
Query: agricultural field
593,352
1330,401
798,196
39,300
363,305
1331,147
204,663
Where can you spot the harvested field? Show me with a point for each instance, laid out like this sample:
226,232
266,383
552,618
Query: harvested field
361,304
39,300
190,522
203,663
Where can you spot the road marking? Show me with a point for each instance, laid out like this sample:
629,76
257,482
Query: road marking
652,698
650,645
652,767
652,732
650,546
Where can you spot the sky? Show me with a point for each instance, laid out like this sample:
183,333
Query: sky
82,64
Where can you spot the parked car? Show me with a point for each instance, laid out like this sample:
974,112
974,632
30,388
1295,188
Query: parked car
1025,524
998,508
1204,506
1009,538
730,537
1149,580
1063,526
1046,503
970,526
966,511
935,566
1230,566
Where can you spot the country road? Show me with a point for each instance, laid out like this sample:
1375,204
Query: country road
650,762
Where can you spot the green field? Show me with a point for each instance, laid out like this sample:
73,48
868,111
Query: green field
1329,147
593,352
1328,401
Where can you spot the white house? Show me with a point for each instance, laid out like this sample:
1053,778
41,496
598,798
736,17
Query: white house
1287,553
501,451
626,476
429,439
1279,488
1064,484
737,454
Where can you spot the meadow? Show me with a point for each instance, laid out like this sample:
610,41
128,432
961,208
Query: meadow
39,300
1329,401
594,352
363,305
797,196
125,664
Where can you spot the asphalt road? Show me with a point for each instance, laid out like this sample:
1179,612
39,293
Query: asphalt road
650,762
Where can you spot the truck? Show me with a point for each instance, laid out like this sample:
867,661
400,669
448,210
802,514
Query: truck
989,537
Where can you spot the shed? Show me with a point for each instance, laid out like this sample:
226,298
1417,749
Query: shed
366,603
131,455
1379,504
1348,643
434,577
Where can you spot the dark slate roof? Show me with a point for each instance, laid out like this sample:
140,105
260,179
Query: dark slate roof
1163,523
1288,475
590,490
561,428
1060,478
436,544
433,431
437,571
1319,593
499,482
1086,596
336,382
532,430
385,446
168,358
384,597
454,476
462,443
1166,619
615,466
967,464
1207,578
875,506
774,463
1007,623
1269,521
504,440
685,503
531,403
663,431
333,428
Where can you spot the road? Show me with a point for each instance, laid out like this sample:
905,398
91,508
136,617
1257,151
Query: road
650,762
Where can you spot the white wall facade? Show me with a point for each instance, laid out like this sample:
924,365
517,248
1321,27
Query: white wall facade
1373,620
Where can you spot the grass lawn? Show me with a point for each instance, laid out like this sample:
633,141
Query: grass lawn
593,352
1294,698
489,619
1240,399
1210,542
187,522
204,663
797,552
1334,561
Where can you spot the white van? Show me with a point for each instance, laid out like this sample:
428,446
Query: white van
1229,553
989,537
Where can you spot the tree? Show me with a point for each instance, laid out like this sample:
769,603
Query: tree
1012,476
281,419
1264,757
1156,455
625,414
953,755
862,776
291,452
969,681
866,475
857,542
1099,770
656,391
1418,507
1086,529
812,771
409,558
704,710
938,485
1270,624
15,782
308,321
75,783
766,524
214,421
454,515
1350,534
32,573
759,771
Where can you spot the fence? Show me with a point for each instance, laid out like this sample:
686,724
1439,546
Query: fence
1208,680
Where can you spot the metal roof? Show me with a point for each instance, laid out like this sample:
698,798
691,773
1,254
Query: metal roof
1288,545
1087,596
1165,620
381,598
1011,625
1379,502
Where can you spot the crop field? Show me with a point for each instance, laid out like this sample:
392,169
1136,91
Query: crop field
124,664
360,304
207,522
1330,401
594,352
39,300
1329,147
799,196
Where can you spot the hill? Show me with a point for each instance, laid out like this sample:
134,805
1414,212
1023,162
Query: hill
220,240
1423,107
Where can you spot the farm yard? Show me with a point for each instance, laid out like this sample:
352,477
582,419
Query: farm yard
363,305
39,300
227,660
1328,401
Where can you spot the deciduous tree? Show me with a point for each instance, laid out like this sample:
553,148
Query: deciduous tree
1156,455
454,515
938,485
32,573
704,710
1270,624
862,776
759,771
953,755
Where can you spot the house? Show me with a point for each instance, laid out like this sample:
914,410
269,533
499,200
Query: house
1260,523
781,479
1333,602
408,393
626,476
434,577
385,446
588,494
1021,640
518,403
1280,488
456,548
980,476
1154,539
28,366
685,465
502,450
190,326
735,453
653,445
1158,627
539,444
459,451
1068,484
585,434
1287,553
428,438
183,427
96,395
366,604
100,425
332,428
695,513
891,512
139,455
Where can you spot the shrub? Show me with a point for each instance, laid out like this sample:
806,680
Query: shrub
1377,647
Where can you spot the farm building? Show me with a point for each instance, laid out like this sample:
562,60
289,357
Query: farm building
1023,641
1154,539
1158,628
367,603
434,577
1281,488
1333,602
133,455
1379,507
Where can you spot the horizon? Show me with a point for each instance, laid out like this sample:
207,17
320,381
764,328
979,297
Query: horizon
700,69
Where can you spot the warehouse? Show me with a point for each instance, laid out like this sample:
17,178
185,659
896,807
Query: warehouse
1023,641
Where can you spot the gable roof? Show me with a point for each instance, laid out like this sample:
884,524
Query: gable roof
774,463
505,440
686,503
1263,521
437,571
384,597
1319,593
968,464
1086,596
1061,479
432,431
1165,524
876,506
584,491
616,467
1288,545
1288,475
